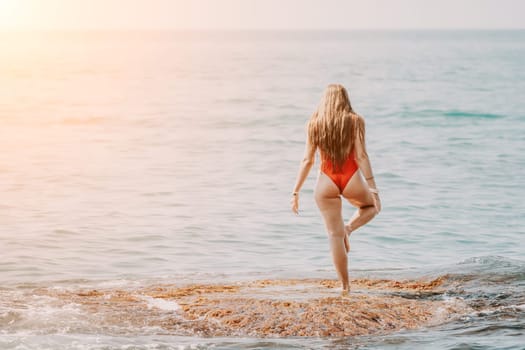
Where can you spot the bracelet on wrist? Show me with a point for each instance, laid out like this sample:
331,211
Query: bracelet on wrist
295,193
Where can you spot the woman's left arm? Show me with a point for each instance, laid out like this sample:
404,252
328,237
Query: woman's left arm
304,169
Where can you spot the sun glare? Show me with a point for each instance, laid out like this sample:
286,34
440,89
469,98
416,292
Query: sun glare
12,14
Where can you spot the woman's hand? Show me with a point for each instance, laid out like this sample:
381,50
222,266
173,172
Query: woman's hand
295,203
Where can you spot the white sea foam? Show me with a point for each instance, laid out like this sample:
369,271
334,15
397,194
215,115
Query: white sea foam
162,304
520,307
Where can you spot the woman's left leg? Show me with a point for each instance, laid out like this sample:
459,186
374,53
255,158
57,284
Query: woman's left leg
329,203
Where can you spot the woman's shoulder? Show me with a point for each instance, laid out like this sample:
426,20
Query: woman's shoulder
357,117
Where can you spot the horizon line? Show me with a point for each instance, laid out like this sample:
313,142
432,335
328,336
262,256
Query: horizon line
253,29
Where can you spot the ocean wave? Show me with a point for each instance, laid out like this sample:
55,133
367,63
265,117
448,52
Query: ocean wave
490,268
452,113
465,114
83,120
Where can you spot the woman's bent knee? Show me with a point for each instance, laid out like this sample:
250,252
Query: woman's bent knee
372,208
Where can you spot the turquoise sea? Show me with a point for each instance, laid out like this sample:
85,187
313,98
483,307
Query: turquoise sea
140,158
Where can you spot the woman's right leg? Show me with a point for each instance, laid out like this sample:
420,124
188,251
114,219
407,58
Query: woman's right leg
357,192
362,216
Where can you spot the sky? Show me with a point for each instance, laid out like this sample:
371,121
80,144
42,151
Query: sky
261,14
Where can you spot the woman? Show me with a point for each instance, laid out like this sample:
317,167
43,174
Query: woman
339,134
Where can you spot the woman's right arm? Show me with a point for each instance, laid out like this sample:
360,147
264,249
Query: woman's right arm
304,169
362,159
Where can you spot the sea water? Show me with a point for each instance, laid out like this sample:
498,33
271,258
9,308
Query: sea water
138,158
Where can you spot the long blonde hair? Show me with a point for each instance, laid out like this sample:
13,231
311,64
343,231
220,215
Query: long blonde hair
334,126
